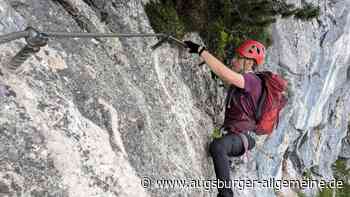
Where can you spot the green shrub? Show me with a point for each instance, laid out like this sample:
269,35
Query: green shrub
326,192
341,172
223,23
308,12
301,194
164,18
307,174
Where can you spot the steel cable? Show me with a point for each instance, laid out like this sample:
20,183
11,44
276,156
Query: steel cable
35,40
92,35
13,36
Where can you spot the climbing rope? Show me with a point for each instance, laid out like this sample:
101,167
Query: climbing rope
36,39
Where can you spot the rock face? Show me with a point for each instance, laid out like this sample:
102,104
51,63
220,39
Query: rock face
94,117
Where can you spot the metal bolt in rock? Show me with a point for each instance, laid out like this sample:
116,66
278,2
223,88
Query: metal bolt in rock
35,40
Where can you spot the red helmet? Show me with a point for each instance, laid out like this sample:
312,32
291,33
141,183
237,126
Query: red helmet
252,49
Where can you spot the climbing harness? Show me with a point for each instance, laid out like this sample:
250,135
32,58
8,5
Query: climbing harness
218,133
36,39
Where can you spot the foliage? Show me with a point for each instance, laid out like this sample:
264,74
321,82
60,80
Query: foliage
301,194
307,174
341,172
223,24
164,18
326,192
307,13
216,133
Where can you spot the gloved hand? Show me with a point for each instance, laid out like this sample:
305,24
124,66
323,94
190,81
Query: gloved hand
194,48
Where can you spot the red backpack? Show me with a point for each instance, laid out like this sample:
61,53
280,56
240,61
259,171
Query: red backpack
270,102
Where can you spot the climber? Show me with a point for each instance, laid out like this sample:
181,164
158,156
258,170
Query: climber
238,123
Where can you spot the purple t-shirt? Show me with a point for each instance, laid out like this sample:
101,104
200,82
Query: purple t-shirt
242,103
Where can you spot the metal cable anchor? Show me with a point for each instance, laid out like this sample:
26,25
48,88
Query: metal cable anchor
35,40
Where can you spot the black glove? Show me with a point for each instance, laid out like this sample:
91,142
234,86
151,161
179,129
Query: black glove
194,48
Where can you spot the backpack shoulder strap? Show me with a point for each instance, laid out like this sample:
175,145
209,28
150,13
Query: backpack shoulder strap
258,109
263,95
261,101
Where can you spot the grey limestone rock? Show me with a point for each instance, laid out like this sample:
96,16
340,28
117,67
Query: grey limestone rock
94,117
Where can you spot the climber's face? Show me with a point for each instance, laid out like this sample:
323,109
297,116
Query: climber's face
241,64
237,64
